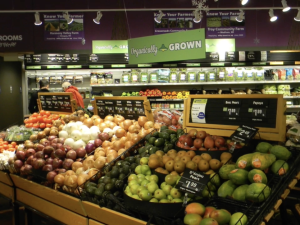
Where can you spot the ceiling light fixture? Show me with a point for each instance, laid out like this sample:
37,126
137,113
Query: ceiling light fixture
67,17
158,18
198,16
38,21
244,2
297,18
285,6
272,16
240,17
97,19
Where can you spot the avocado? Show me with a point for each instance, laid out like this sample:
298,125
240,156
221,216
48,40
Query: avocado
109,187
155,134
88,184
152,140
122,176
159,142
91,190
99,192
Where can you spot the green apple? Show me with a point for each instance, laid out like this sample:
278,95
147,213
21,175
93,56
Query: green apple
162,185
139,189
152,187
176,200
141,176
167,189
145,182
145,195
138,169
175,193
154,178
147,177
153,200
132,177
136,197
144,161
134,188
164,201
169,197
133,182
145,169
160,194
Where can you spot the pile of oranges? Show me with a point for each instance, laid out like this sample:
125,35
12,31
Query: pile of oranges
4,145
40,120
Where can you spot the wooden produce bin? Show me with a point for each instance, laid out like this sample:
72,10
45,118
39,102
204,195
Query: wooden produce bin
56,212
5,178
7,191
51,195
108,216
93,222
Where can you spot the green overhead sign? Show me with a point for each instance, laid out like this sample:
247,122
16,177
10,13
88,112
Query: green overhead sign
175,46
119,46
220,45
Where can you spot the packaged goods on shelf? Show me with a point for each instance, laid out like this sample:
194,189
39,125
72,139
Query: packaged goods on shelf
126,77
168,118
284,90
221,74
281,74
78,79
153,77
52,80
289,74
94,79
296,74
100,78
269,89
108,78
183,78
248,74
38,78
68,78
191,76
229,74
239,74
201,76
144,78
164,75
259,74
173,78
134,76
211,75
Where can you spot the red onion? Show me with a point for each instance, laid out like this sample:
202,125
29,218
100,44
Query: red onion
67,164
53,155
48,167
18,164
103,136
80,152
22,171
48,150
50,138
57,163
29,152
29,160
38,164
54,145
71,155
60,146
20,155
39,148
28,169
89,148
54,141
44,142
49,161
68,148
61,140
97,143
50,176
60,153
39,155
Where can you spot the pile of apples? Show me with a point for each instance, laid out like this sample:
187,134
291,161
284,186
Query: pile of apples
202,141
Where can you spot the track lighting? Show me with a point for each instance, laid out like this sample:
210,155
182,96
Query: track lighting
198,16
285,6
97,19
240,17
38,21
67,17
244,2
158,18
272,16
297,18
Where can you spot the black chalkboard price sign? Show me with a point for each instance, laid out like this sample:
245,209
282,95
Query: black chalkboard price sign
56,102
244,134
192,182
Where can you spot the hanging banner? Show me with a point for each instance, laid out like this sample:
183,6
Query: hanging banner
56,28
119,46
223,24
174,22
167,47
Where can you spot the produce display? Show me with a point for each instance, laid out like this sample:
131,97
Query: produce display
40,120
169,118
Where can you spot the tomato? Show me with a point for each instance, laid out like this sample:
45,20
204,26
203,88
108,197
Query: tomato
48,121
13,143
42,112
26,121
40,119
29,120
34,115
5,146
34,120
42,125
35,125
47,113
29,124
5,142
49,125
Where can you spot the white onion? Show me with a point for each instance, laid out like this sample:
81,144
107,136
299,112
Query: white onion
85,135
116,128
70,127
94,128
76,135
109,131
78,144
91,141
63,134
79,124
83,128
70,142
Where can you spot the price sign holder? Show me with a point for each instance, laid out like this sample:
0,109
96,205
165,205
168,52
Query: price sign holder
193,182
128,107
56,102
222,115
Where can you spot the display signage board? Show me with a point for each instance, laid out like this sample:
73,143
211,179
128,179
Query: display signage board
220,45
174,22
244,134
192,182
167,47
128,107
223,114
56,27
56,102
112,46
222,24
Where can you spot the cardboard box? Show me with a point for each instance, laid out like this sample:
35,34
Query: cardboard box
59,198
7,191
56,212
93,222
5,178
108,216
